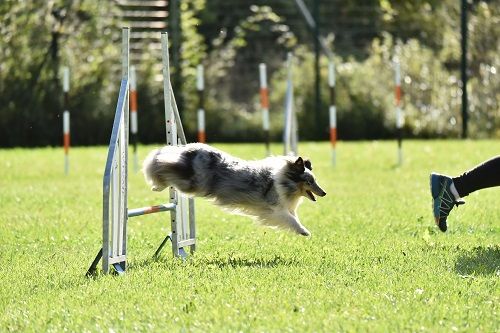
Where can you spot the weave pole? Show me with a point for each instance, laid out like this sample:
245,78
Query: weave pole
133,114
290,135
200,87
332,109
66,126
399,112
264,105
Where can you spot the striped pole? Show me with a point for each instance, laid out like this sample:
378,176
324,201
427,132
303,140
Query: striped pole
332,109
133,114
290,134
66,135
151,209
200,86
264,105
399,112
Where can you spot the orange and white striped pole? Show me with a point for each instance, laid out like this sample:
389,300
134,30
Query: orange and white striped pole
133,114
399,111
264,105
290,133
200,86
332,109
66,133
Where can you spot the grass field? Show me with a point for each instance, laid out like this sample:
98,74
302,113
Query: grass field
375,261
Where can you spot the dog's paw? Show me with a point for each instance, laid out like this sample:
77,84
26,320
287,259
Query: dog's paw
305,232
157,188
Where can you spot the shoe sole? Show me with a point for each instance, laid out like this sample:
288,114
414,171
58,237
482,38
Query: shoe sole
434,197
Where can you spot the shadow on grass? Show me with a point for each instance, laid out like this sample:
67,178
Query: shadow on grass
235,262
162,260
479,261
220,262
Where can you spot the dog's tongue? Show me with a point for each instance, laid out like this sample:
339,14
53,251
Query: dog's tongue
311,195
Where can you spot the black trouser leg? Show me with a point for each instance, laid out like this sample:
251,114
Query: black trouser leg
482,176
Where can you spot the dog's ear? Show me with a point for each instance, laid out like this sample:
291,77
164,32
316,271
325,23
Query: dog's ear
308,164
299,164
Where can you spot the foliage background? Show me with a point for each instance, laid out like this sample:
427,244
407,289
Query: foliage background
231,38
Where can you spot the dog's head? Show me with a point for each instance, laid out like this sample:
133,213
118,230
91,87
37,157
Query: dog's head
300,172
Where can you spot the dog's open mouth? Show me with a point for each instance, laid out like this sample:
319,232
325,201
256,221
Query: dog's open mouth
311,196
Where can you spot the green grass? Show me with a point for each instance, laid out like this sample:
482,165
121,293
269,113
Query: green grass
375,261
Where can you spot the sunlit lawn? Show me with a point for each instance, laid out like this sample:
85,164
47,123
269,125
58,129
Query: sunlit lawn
375,261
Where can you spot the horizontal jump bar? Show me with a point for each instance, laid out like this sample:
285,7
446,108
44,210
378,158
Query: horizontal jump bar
151,209
117,259
186,242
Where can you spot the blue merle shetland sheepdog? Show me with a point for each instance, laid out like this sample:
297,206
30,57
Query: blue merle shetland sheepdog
270,189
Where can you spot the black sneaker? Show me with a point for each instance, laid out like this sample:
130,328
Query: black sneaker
442,199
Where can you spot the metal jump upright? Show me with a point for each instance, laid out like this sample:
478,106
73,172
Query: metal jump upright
115,180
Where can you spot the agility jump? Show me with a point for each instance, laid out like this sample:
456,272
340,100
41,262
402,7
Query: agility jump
115,182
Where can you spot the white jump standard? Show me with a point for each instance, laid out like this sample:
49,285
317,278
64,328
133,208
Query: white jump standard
115,189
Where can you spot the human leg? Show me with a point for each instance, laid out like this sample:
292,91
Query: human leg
486,174
447,191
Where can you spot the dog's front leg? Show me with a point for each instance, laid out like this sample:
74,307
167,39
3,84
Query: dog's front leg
158,188
289,221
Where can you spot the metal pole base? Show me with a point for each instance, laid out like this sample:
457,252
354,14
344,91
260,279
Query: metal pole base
93,267
160,248
119,268
182,253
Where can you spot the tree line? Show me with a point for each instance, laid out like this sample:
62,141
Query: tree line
231,38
